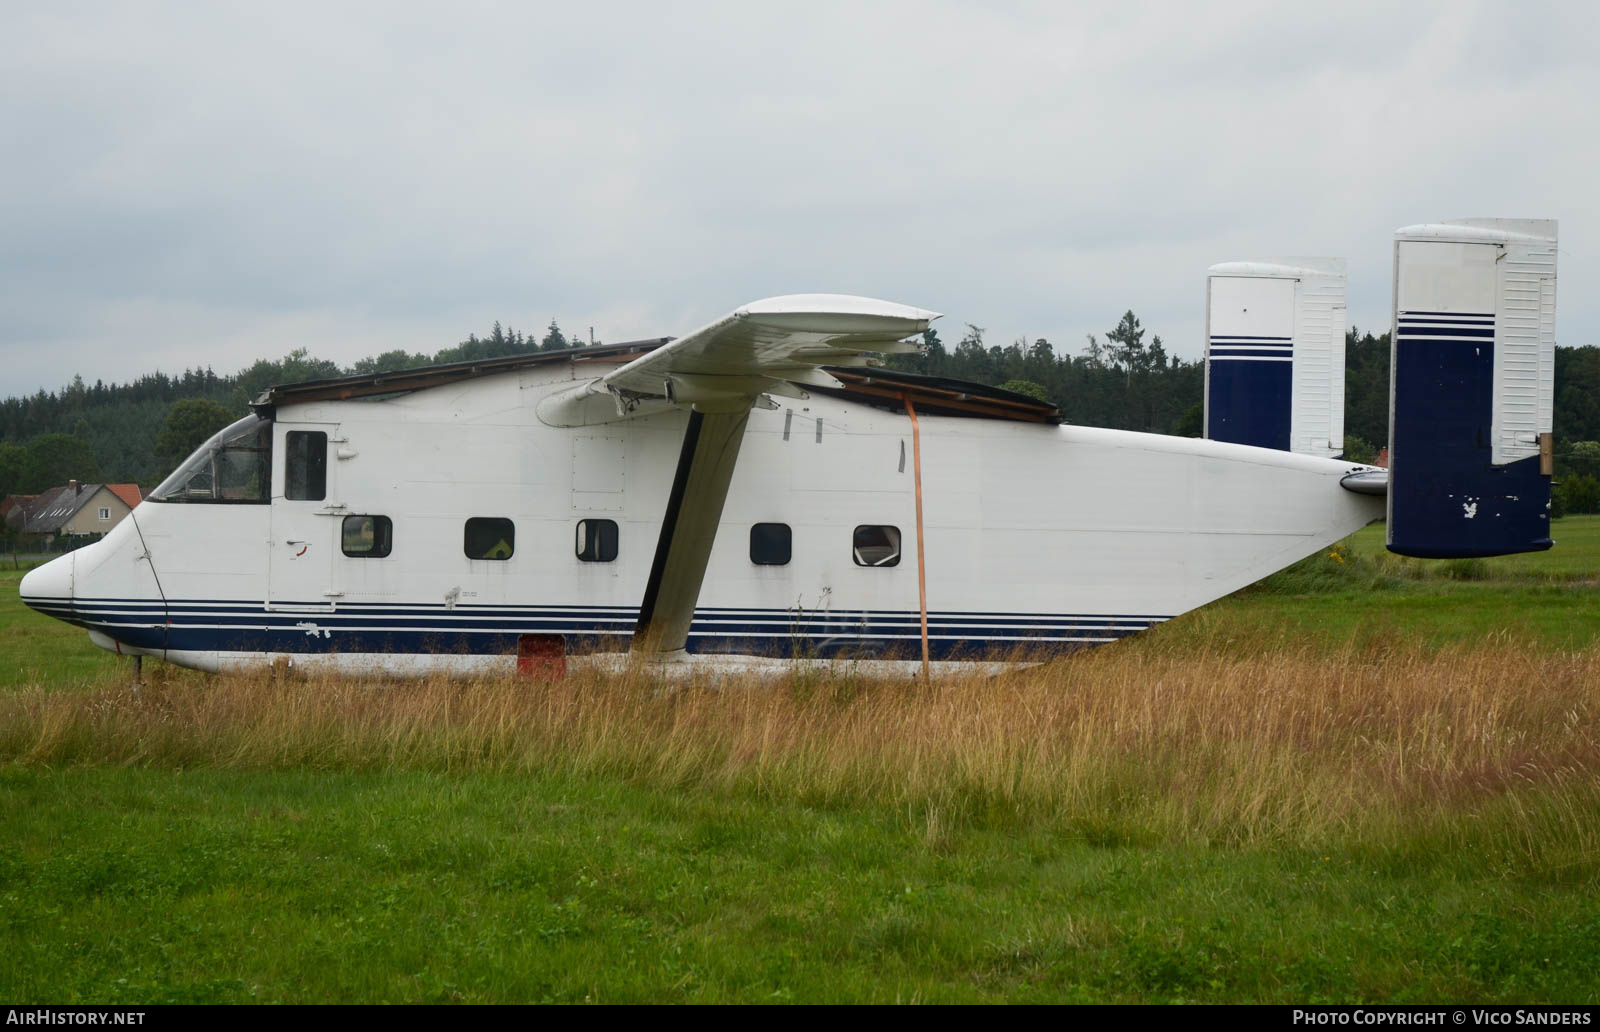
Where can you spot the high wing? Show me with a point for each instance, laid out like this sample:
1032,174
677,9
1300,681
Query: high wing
767,346
720,372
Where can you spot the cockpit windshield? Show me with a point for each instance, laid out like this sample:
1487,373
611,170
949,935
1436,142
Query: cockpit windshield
234,467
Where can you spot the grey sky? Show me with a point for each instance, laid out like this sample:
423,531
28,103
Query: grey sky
208,184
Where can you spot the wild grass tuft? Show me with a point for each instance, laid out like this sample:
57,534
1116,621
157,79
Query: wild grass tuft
1487,747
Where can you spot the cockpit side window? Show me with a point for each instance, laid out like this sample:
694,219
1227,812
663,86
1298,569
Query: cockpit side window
305,466
234,467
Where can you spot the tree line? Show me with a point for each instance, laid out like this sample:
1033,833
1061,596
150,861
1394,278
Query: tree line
1124,383
139,431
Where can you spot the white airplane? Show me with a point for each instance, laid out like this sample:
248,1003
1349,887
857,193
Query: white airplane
756,490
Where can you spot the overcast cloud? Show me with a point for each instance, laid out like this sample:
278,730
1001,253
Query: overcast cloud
206,184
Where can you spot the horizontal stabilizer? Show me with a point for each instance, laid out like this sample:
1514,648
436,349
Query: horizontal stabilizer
1366,481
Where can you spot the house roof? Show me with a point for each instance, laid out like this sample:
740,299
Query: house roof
129,493
12,501
50,511
16,507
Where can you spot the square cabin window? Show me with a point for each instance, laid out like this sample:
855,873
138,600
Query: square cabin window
771,544
876,545
597,541
490,537
366,537
305,466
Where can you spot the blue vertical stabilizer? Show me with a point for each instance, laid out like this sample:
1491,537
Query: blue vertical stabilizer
1275,354
1470,389
1248,401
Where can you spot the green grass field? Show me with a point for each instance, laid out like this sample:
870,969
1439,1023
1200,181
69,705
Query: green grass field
1364,779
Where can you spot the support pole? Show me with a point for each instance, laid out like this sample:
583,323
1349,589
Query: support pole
922,562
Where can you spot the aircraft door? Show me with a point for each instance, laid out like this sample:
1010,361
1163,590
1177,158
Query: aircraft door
306,519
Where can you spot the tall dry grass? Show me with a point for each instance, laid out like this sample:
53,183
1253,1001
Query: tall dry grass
1491,746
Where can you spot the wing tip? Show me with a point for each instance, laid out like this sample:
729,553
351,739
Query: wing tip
835,305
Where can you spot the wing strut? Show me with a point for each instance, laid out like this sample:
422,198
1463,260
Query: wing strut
719,372
688,529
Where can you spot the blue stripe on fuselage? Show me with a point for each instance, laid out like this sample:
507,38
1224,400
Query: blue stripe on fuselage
223,626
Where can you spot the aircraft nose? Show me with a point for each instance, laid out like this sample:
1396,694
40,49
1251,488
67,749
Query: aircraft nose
48,588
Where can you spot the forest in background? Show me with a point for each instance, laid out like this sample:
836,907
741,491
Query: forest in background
138,432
